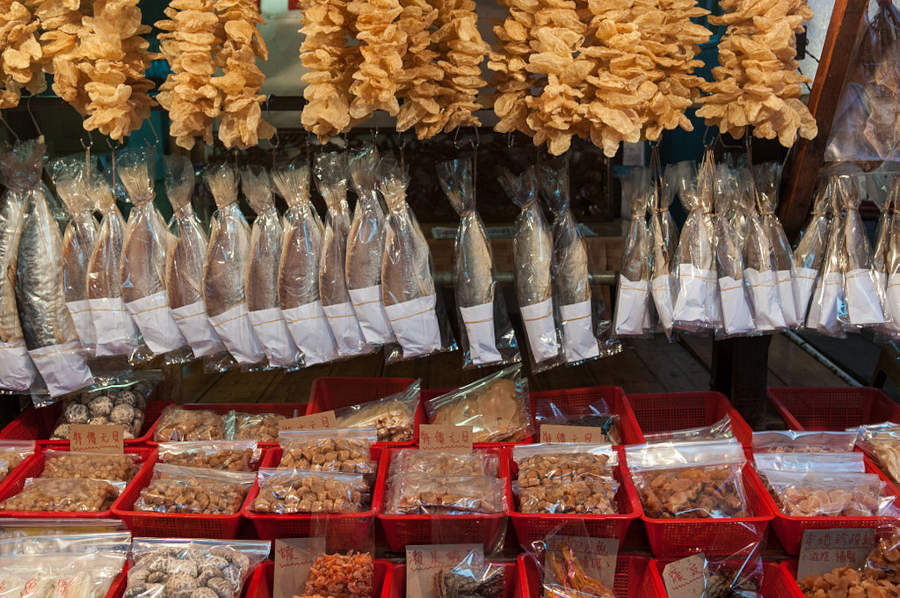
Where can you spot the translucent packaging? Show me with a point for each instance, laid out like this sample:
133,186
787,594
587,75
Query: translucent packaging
393,416
100,466
261,427
633,291
801,494
440,463
663,245
595,415
295,491
822,462
226,455
64,495
717,431
195,490
733,293
121,400
829,300
177,424
792,441
863,294
12,453
349,576
471,576
882,441
810,251
344,450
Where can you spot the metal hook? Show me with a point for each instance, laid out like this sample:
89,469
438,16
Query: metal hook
509,140
31,115
87,155
477,141
456,138
153,130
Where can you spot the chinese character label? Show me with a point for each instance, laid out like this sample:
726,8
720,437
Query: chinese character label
423,563
293,559
555,433
825,549
97,439
684,577
451,438
316,421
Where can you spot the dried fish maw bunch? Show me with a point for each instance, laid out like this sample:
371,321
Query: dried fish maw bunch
61,29
418,87
21,56
241,124
382,44
329,62
190,37
509,60
757,83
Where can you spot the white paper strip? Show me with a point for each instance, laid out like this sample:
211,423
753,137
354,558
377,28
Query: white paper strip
194,324
764,299
632,314
578,337
311,333
62,367
479,322
736,317
16,370
661,289
540,330
154,319
803,282
346,330
863,304
115,330
415,325
233,327
696,301
84,324
784,280
823,310
273,334
371,315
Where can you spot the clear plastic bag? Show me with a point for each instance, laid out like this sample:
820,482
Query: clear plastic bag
261,427
471,577
348,576
801,494
864,296
393,416
533,250
883,196
177,424
828,301
230,455
496,407
733,295
720,429
633,293
425,494
262,271
486,335
738,575
100,466
690,480
12,453
178,489
791,441
892,262
569,566
121,400
595,415
48,531
285,491
346,450
882,441
809,254
663,245
440,464
823,462
64,495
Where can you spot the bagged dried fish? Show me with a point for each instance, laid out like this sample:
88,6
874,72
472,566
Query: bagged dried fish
863,296
663,245
331,177
224,272
533,250
828,300
891,283
633,293
262,271
810,251
298,272
184,261
736,316
144,256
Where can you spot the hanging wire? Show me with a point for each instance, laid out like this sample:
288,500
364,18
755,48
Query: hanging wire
31,115
87,155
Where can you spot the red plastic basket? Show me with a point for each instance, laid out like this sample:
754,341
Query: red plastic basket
535,526
285,409
261,581
403,530
667,412
343,530
117,587
427,395
776,582
32,468
397,586
38,424
576,402
836,408
13,474
633,578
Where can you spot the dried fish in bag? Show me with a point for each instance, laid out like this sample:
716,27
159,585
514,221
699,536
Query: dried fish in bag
365,247
144,255
225,269
115,329
407,285
892,261
298,272
262,271
736,316
864,298
70,179
185,258
533,251
810,251
21,170
487,335
40,298
882,196
663,245
828,301
633,294
696,305
331,176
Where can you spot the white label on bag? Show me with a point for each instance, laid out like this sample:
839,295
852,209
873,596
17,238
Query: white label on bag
16,369
479,322
696,295
347,334
803,282
661,288
823,311
233,327
764,295
863,304
540,330
273,334
84,325
62,367
415,325
194,324
113,326
373,320
311,332
786,297
631,307
736,317
154,319
578,337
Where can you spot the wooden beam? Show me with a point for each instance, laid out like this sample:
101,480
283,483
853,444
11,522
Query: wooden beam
806,158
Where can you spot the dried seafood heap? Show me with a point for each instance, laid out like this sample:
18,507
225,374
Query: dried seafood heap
758,83
382,44
21,56
61,24
419,75
511,79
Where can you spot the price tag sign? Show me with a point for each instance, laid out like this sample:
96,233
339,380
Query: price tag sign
293,559
555,433
424,563
825,549
440,437
684,578
97,439
316,421
597,556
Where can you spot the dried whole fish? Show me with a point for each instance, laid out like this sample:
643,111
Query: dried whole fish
736,316
633,293
828,300
864,298
810,251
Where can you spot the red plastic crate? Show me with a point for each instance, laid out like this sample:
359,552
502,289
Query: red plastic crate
38,424
33,469
776,582
261,581
633,578
667,412
345,531
832,408
427,395
535,526
575,402
403,530
397,586
285,409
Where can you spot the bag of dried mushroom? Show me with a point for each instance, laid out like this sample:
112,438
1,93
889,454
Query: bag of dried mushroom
566,478
177,489
286,491
12,453
882,442
690,480
178,424
393,416
346,450
228,455
117,402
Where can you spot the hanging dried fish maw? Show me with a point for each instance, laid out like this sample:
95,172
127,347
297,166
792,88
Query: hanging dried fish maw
407,285
21,56
46,324
18,167
184,261
633,293
418,89
864,298
508,60
70,179
298,271
533,250
115,330
144,256
262,271
382,44
810,251
225,269
61,25
736,316
365,247
331,176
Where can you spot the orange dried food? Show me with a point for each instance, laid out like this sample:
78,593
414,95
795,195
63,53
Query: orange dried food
880,576
21,55
695,492
508,61
382,45
348,576
418,88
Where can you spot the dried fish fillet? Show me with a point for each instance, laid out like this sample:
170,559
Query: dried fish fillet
633,292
